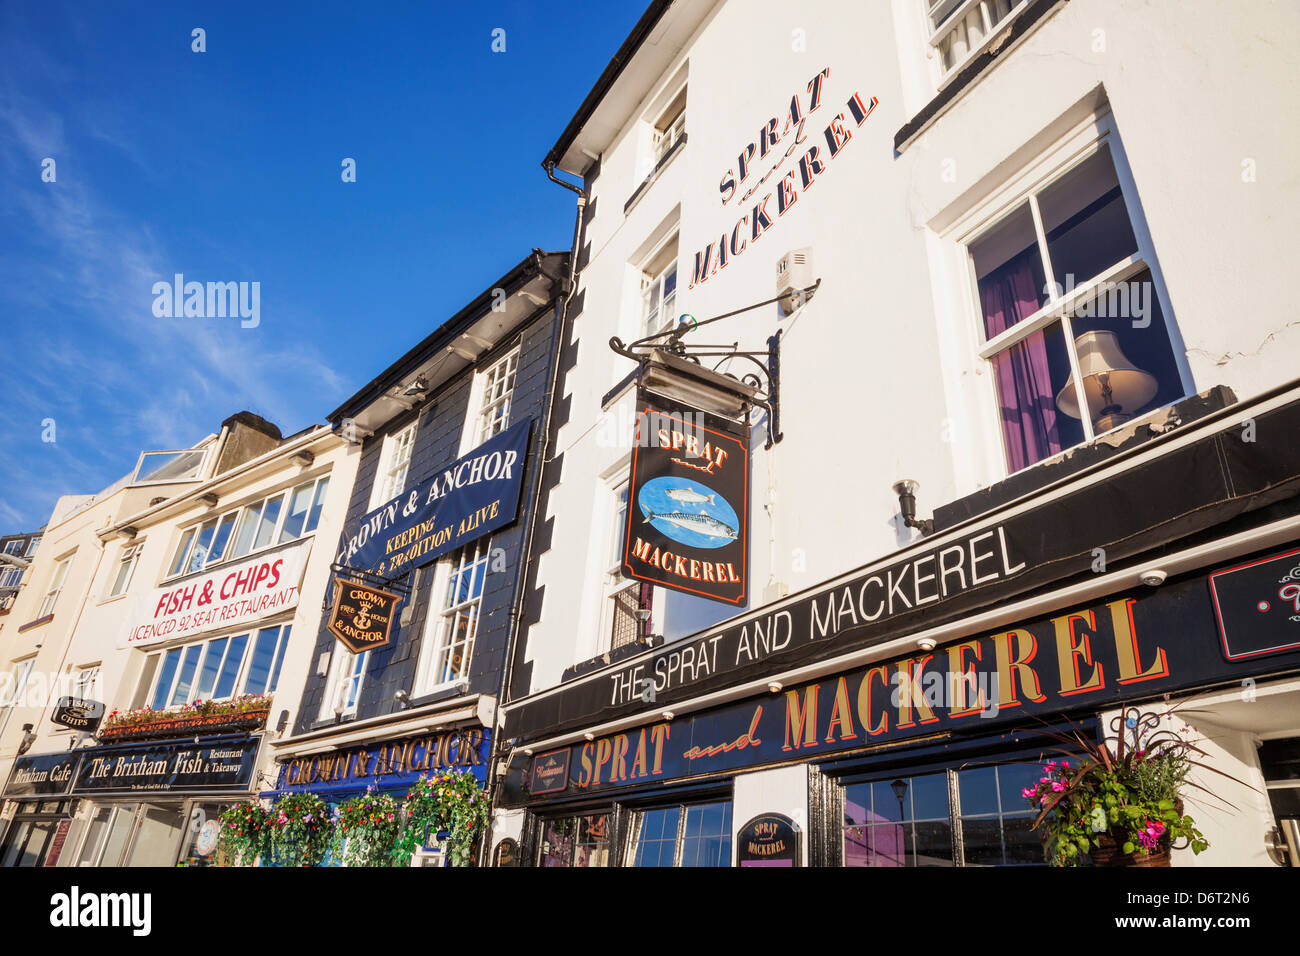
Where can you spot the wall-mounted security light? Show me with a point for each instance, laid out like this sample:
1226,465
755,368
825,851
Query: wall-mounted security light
209,498
1153,577
29,738
775,686
418,387
402,698
926,644
906,491
588,736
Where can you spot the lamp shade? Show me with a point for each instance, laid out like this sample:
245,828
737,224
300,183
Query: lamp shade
1103,364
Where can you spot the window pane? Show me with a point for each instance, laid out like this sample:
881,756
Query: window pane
933,844
201,546
1024,847
1012,779
248,519
296,519
185,681
982,838
259,666
266,524
1123,337
657,839
221,539
178,560
1009,272
1086,221
164,686
318,502
1029,378
930,797
707,841
211,663
591,847
979,791
230,669
557,842
890,805
279,659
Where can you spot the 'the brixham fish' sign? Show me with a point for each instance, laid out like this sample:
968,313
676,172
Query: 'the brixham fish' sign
463,501
688,502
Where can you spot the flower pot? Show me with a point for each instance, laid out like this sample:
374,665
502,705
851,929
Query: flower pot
186,726
1109,852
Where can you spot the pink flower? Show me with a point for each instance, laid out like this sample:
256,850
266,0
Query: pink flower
1046,797
1057,786
1065,765
1027,792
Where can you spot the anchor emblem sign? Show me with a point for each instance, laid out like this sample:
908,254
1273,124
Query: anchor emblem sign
361,617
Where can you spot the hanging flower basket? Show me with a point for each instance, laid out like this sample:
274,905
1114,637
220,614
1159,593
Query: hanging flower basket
451,802
239,715
366,829
299,830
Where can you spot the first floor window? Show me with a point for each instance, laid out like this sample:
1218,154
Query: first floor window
344,689
218,668
969,816
1072,323
625,616
450,632
685,835
576,841
659,289
85,682
10,576
394,463
125,569
496,389
56,585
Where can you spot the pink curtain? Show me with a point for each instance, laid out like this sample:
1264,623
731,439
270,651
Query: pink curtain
1022,373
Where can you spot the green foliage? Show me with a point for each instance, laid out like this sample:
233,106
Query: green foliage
452,802
244,832
366,829
1131,797
299,830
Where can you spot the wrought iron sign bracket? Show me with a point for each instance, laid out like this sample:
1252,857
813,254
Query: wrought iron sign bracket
764,386
370,579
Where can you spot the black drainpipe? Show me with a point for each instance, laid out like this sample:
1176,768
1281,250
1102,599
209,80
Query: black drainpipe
567,288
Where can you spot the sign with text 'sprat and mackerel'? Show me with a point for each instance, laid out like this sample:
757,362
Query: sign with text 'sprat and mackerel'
463,501
688,502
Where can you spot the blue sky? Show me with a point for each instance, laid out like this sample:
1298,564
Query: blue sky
225,166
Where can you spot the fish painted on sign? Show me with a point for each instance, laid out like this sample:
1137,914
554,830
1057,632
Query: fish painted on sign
688,497
699,523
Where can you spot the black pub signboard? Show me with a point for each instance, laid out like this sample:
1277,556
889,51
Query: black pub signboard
1257,605
78,714
361,616
688,502
213,764
42,775
771,839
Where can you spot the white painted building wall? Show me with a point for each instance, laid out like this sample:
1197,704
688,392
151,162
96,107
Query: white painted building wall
881,378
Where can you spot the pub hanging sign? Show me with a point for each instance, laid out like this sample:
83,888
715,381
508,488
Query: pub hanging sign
78,713
687,523
361,617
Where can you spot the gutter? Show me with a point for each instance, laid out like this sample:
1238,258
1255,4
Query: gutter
608,77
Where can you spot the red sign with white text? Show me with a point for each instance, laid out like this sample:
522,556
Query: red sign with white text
232,595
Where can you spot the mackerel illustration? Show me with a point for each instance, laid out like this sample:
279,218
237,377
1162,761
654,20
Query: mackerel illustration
688,497
700,524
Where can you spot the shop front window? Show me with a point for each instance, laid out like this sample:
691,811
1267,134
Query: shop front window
155,841
967,817
576,841
688,835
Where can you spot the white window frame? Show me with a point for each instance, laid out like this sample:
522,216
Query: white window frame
32,545
22,672
11,576
85,683
14,547
189,536
1073,148
665,132
239,686
57,579
612,582
198,472
124,569
344,666
395,456
442,615
956,29
654,283
483,403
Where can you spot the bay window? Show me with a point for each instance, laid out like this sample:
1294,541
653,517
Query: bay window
217,668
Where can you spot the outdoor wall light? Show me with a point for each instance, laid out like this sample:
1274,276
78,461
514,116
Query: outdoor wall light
588,736
906,491
418,387
403,698
29,738
925,644
210,499
1152,577
775,686
668,715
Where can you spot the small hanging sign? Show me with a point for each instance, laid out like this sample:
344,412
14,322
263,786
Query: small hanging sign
768,840
361,617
